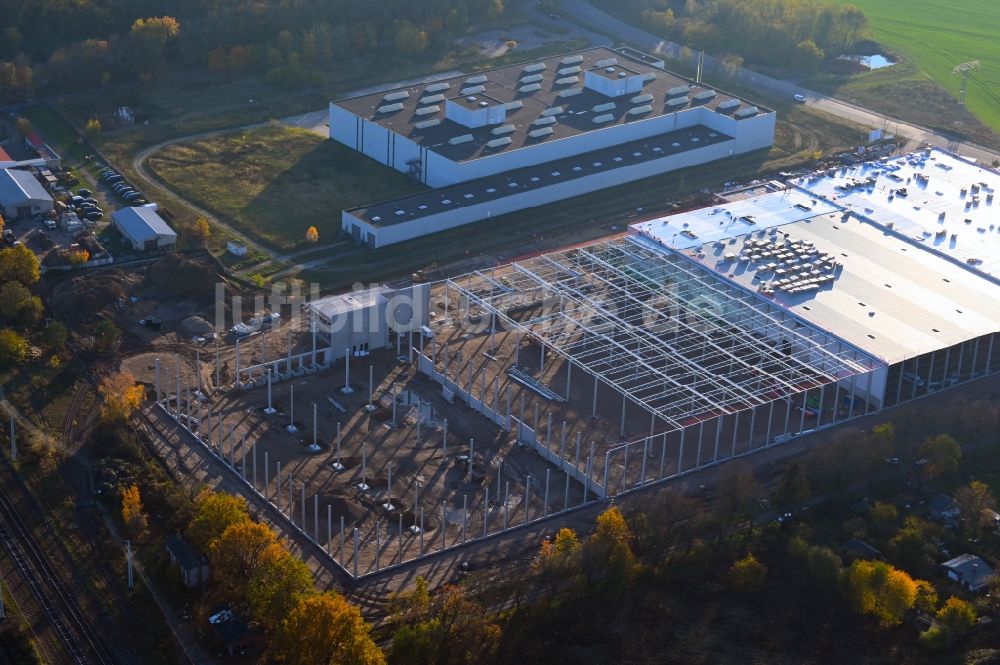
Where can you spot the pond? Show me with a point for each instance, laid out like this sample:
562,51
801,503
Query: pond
876,61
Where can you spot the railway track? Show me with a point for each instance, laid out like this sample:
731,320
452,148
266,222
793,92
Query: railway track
82,643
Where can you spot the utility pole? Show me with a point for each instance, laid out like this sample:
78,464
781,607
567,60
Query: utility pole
128,558
963,70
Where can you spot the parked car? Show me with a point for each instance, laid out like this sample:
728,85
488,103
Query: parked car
132,197
119,186
50,224
83,191
90,199
151,322
8,236
94,215
801,99
76,200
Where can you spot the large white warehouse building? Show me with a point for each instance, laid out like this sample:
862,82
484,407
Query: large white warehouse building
570,117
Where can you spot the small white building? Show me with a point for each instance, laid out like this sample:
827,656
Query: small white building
236,248
22,196
143,228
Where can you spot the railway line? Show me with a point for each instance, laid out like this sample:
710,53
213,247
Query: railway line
81,642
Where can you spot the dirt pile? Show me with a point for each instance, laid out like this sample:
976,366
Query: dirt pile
195,325
178,275
83,298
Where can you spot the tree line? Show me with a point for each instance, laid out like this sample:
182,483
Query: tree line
781,33
48,45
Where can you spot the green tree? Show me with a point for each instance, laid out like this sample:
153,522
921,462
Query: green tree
19,264
13,348
913,546
977,504
408,39
214,512
54,335
958,615
324,629
458,631
883,518
18,305
943,455
747,575
824,565
808,56
277,585
793,488
106,336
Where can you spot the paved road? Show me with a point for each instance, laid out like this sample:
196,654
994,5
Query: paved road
589,15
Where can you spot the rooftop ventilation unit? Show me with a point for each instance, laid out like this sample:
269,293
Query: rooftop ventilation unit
553,110
728,104
705,94
473,90
390,108
602,119
396,96
499,143
569,71
607,62
503,129
537,67
641,99
678,90
677,101
747,112
513,106
531,87
459,140
640,110
571,60
427,110
648,76
571,92
541,122
437,87
432,99
531,78
473,80
541,133
567,80
427,124
601,108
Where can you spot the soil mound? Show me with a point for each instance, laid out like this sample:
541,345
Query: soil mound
179,275
195,325
83,298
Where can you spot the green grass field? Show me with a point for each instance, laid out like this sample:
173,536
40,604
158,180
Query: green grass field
275,182
936,35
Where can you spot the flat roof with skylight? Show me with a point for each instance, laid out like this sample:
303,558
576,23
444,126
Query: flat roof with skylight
551,93
939,200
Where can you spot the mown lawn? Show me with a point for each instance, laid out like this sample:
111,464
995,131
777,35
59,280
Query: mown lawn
275,182
936,35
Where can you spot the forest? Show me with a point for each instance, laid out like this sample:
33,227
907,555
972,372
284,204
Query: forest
63,45
776,33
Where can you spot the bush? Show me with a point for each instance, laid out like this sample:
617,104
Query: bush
13,348
935,638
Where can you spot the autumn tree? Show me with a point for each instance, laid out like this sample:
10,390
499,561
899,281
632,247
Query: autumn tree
19,264
77,257
977,504
558,559
747,575
277,585
943,455
106,336
201,230
455,631
913,544
93,127
608,559
312,234
133,515
147,40
120,396
214,512
237,553
876,588
13,348
927,598
23,126
958,615
324,629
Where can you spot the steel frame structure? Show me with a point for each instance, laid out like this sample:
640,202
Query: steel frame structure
663,331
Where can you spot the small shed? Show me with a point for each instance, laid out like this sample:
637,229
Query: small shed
231,630
194,568
143,228
944,508
236,248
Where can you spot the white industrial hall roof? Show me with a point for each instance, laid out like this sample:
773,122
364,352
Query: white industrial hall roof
887,295
338,305
948,204
18,187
